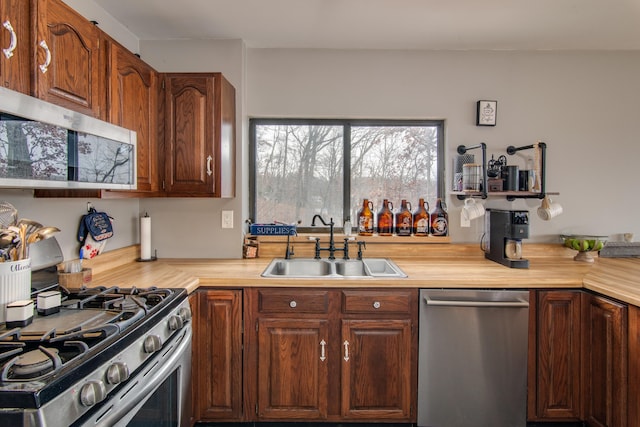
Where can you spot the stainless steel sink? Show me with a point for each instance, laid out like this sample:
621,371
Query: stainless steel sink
309,268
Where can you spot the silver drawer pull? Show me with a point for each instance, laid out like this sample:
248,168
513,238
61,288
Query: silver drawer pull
13,40
377,304
293,304
47,60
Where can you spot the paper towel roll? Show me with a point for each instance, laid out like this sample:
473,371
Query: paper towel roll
145,237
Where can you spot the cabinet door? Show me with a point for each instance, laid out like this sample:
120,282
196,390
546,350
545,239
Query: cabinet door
605,365
217,356
555,384
292,369
133,104
634,366
200,135
15,45
67,58
376,369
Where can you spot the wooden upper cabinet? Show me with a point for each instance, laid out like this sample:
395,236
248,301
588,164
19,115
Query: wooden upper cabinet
132,99
199,135
15,45
66,58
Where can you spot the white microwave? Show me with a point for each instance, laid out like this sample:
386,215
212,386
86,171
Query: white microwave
43,145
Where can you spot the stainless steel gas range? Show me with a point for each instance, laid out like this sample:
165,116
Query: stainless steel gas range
109,357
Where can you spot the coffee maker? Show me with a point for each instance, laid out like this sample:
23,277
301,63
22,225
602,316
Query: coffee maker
504,231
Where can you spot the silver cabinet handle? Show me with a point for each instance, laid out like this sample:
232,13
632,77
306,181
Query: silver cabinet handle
346,350
293,304
323,357
464,303
377,305
13,42
47,60
209,171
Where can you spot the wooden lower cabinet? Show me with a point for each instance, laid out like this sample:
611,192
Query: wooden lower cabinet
314,358
376,375
633,397
292,369
217,355
580,345
605,361
554,356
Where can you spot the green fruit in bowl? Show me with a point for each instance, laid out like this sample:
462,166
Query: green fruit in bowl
598,246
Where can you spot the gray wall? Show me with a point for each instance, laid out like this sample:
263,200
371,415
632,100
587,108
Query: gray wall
584,105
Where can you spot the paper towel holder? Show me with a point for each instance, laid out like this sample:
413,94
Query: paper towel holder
145,240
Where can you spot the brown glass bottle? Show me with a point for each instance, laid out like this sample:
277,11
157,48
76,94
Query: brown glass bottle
404,220
385,219
440,220
421,219
365,219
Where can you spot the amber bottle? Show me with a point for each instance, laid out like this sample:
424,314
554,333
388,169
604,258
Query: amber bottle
440,220
421,219
385,219
365,219
404,220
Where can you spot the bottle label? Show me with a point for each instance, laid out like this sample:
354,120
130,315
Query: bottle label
422,226
439,226
364,225
405,227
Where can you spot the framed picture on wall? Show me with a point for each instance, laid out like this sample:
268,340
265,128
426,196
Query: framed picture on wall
486,113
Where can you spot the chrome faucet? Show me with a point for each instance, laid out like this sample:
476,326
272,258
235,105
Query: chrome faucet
332,246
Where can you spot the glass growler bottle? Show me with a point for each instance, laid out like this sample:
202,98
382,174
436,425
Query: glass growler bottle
440,220
385,219
404,220
421,219
365,219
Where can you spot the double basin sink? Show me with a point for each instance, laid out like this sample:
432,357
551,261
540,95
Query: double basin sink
310,268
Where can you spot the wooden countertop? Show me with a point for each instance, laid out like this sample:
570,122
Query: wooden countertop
549,268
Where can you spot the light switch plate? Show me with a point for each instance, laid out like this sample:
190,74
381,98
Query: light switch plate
227,219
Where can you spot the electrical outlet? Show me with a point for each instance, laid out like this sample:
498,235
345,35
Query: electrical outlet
227,219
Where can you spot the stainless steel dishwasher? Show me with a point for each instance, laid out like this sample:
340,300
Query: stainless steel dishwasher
472,358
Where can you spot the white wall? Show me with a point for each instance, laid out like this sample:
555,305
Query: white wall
584,105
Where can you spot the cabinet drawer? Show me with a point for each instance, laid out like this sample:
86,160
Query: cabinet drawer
293,301
376,301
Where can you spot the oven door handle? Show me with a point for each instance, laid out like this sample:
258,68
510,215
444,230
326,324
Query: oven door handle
141,387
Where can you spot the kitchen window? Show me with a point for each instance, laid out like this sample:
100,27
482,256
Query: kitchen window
303,167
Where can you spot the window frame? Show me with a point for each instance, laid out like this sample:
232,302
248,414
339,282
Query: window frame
347,124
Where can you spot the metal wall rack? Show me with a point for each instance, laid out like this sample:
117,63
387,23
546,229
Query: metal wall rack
510,195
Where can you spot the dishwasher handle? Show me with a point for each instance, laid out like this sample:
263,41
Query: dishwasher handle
519,303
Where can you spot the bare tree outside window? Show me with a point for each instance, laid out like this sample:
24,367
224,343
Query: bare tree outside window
32,150
299,167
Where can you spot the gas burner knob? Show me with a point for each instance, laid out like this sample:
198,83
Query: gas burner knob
92,392
184,313
175,322
117,373
152,343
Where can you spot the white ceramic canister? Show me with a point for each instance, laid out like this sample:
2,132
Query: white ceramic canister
15,283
